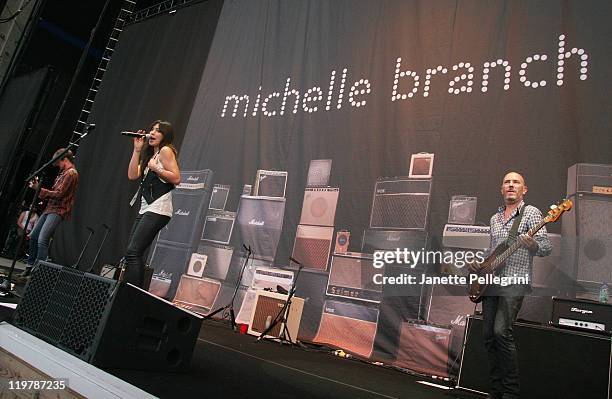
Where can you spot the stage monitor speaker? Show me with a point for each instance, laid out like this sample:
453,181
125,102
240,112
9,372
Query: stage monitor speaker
190,202
219,258
348,326
351,275
462,210
312,246
197,263
218,198
589,178
171,260
267,306
319,172
197,294
105,323
218,227
587,231
260,222
342,241
553,363
424,348
390,240
270,183
319,207
400,203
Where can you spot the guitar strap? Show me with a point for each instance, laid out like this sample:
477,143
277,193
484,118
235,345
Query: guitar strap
514,229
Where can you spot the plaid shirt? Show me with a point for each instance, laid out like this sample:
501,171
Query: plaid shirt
61,195
519,263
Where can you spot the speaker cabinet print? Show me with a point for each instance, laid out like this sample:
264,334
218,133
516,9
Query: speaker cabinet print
267,306
313,245
197,265
351,276
349,326
270,183
342,241
190,201
218,260
319,207
218,198
424,348
462,210
218,227
260,222
400,203
390,240
319,172
197,294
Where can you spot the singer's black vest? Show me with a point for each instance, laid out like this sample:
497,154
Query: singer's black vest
151,187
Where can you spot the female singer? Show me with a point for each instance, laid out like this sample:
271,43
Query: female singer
154,163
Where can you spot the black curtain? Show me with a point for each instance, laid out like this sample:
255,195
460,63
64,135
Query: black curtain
153,75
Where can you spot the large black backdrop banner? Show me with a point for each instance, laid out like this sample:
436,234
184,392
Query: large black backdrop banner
488,87
154,74
501,98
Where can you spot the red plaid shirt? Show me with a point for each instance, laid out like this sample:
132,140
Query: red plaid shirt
61,195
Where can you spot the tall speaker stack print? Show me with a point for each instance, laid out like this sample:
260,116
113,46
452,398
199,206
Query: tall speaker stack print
177,241
587,231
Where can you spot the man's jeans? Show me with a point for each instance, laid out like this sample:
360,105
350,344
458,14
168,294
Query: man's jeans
500,308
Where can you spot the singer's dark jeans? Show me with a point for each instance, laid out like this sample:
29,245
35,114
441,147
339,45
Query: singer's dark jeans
146,227
500,309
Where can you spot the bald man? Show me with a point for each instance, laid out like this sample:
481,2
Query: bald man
501,304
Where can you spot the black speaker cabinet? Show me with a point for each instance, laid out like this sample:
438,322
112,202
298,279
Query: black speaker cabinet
400,203
553,363
108,324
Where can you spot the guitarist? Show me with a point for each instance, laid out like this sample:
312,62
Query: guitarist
501,304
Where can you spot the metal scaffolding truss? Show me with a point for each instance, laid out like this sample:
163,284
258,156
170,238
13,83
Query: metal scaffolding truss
168,6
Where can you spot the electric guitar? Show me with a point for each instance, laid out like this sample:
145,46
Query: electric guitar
494,262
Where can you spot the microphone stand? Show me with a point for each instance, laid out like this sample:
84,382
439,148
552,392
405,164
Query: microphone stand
5,285
281,316
91,232
230,305
93,264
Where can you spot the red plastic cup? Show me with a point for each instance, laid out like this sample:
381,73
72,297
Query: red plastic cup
243,328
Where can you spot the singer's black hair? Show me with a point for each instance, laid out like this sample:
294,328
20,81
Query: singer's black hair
167,131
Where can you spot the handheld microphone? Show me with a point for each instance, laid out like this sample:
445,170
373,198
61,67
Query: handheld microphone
134,134
291,258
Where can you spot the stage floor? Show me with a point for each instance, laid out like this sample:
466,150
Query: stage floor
230,365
